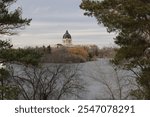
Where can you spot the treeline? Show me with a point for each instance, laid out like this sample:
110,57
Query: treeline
75,54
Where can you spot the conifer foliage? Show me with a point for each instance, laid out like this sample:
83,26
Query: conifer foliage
10,21
130,19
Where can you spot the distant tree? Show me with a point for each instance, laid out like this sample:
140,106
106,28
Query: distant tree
93,51
44,48
49,49
130,19
79,51
107,52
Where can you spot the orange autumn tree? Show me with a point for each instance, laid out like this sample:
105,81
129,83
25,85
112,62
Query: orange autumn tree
79,51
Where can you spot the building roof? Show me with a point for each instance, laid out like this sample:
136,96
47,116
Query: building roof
67,35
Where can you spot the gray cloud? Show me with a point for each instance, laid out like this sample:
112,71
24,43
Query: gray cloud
50,20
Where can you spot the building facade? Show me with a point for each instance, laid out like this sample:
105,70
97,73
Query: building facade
67,40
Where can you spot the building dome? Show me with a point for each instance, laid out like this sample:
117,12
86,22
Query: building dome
67,41
67,35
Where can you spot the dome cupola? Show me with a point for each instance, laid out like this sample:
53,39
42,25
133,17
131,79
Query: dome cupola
67,40
67,35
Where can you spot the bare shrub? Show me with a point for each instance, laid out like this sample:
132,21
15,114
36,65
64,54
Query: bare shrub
115,83
54,81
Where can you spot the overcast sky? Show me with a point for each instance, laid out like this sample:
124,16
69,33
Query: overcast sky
50,20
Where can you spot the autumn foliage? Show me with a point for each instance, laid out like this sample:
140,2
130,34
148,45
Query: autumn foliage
79,51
